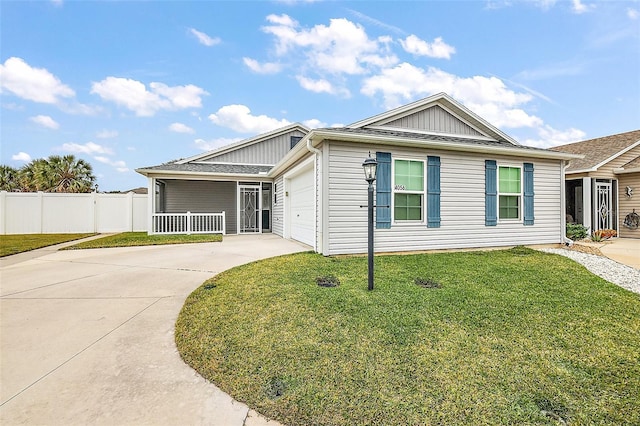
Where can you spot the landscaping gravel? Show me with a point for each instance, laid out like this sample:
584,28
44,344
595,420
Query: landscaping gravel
612,271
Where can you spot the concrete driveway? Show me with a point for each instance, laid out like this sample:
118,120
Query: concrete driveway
87,335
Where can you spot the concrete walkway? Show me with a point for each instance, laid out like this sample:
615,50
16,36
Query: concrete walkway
86,336
623,250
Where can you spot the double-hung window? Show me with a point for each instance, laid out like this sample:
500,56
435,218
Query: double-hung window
408,190
509,192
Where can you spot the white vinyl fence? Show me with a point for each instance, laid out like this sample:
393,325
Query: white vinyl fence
53,213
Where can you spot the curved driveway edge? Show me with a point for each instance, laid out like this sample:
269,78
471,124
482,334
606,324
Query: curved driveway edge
87,336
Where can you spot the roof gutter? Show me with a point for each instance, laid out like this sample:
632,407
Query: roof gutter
448,146
621,171
168,174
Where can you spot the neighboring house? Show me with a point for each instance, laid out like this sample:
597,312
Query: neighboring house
446,179
603,188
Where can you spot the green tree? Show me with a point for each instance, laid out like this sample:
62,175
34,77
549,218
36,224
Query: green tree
8,178
54,174
66,174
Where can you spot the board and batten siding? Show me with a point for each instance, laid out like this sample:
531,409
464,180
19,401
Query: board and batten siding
277,224
269,151
435,119
462,204
201,196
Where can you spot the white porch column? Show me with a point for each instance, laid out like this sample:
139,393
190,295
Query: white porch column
151,203
587,208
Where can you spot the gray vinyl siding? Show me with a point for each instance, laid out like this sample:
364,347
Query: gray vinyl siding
462,204
435,119
269,151
199,196
277,208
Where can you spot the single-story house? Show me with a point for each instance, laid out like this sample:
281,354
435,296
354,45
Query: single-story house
446,178
603,187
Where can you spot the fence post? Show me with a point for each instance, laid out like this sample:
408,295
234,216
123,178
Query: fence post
224,224
130,211
188,223
41,211
3,212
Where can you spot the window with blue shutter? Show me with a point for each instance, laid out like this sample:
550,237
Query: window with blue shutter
528,194
433,192
490,193
383,190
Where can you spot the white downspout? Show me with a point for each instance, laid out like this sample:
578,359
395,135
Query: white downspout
316,153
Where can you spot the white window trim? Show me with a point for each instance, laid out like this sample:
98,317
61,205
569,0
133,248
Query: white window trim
423,215
520,194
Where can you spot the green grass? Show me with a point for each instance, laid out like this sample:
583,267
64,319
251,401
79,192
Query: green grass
14,244
511,337
130,239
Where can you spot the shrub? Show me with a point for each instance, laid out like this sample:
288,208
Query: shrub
604,234
576,231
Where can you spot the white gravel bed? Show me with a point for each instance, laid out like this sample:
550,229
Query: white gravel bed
612,271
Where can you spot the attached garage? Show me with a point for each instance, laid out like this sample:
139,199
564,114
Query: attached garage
301,213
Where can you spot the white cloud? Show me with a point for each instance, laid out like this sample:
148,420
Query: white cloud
107,134
180,128
119,165
215,143
57,3
134,95
633,14
551,137
578,7
438,49
204,38
87,148
45,121
21,156
239,118
545,4
34,84
314,123
377,22
322,86
262,68
342,47
486,96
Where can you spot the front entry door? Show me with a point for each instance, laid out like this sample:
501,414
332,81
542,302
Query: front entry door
249,209
603,206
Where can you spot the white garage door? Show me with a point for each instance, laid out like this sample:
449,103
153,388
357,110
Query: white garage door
301,207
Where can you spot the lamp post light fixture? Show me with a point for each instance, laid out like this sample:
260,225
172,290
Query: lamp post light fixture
370,165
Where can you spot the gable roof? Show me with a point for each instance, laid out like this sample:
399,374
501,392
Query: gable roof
442,100
246,142
599,151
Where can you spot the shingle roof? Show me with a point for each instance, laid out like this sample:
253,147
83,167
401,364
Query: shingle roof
597,150
633,164
236,169
430,137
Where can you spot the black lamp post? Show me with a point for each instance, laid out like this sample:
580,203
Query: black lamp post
370,165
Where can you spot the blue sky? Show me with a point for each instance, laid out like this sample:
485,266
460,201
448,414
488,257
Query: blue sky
130,84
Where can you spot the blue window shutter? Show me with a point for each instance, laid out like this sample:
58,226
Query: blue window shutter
490,193
433,192
383,190
528,193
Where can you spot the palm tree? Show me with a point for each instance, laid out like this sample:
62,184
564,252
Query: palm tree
8,178
66,174
28,176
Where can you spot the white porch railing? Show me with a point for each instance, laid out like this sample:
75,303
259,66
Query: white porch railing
188,223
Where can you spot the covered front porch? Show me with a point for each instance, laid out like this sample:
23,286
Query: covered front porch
592,202
191,206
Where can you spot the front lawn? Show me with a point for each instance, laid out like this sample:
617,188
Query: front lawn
510,337
18,243
129,239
